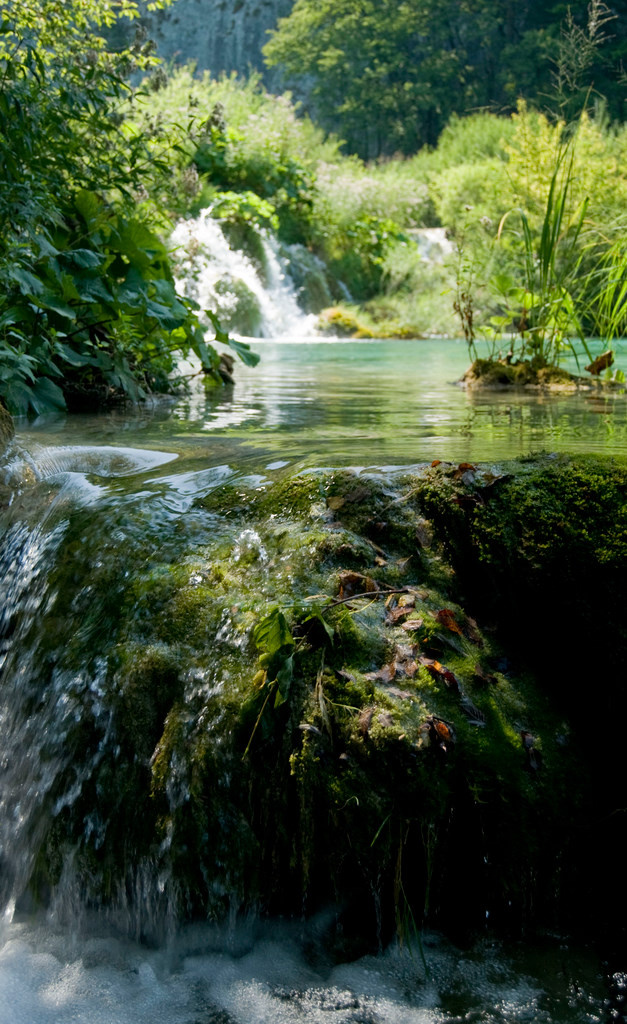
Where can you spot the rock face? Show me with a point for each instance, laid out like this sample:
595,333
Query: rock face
220,35
6,428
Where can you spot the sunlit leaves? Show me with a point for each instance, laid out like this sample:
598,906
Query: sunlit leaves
87,297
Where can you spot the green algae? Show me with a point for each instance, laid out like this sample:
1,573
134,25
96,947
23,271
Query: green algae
439,770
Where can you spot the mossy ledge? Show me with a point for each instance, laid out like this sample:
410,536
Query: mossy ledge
398,695
498,374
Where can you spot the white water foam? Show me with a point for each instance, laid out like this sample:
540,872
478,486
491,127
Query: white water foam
50,979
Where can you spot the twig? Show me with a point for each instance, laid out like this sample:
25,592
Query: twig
366,593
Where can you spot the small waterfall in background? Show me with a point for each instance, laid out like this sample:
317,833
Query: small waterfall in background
252,295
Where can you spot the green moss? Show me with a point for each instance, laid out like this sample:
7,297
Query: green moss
149,682
496,373
340,322
369,761
348,322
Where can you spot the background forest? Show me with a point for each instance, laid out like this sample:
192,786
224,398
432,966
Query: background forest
501,124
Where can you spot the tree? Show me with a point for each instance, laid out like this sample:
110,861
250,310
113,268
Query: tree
87,300
388,75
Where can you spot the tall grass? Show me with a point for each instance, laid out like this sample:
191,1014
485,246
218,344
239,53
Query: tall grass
606,309
542,309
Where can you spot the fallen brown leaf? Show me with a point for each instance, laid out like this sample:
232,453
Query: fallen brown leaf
385,674
439,671
365,718
402,694
424,533
395,615
472,712
355,583
447,619
472,631
602,362
412,624
484,677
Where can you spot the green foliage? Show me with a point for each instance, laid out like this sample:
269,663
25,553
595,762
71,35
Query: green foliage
606,309
388,76
356,220
88,310
541,309
244,207
240,140
545,275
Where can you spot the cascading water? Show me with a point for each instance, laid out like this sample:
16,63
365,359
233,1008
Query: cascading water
253,298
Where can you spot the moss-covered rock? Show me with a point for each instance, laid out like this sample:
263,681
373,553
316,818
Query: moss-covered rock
349,322
390,693
525,373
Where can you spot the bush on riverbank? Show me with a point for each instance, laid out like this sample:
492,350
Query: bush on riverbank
88,310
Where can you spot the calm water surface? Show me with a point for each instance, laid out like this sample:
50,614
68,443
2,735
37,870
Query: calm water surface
352,403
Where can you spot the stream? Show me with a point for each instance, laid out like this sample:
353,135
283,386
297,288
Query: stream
106,494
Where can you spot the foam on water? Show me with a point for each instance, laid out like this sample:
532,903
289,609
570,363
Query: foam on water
48,979
45,463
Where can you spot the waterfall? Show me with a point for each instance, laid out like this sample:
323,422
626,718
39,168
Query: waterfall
252,294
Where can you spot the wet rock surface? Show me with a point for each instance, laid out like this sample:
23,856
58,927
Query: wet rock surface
366,690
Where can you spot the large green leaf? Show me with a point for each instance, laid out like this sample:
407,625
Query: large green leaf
90,206
272,632
46,395
86,258
244,351
48,300
28,283
284,678
71,355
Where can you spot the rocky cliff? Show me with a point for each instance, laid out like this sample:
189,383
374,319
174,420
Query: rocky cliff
221,35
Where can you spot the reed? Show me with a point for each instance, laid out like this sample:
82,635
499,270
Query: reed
606,307
541,310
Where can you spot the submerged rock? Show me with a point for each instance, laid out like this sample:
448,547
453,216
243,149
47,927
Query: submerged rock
361,690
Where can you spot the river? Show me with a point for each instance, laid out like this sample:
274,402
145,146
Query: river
134,474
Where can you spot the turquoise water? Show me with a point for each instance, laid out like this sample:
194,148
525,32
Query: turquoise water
312,403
